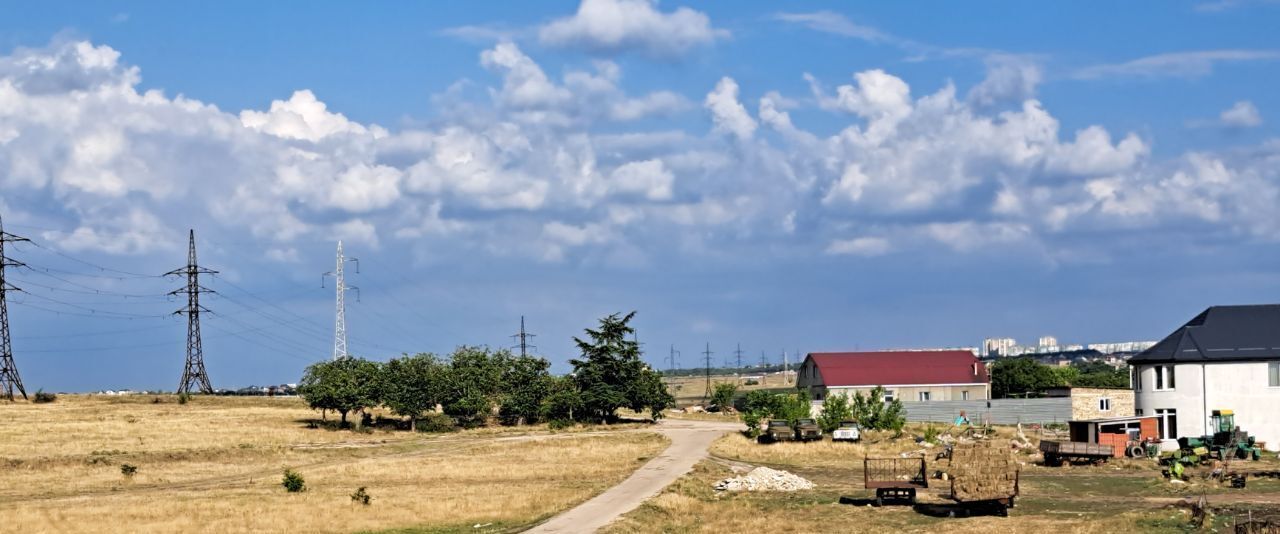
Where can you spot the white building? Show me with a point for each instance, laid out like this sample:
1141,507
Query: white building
1228,357
1000,346
1048,343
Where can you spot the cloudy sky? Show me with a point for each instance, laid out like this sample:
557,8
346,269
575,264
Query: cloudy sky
789,177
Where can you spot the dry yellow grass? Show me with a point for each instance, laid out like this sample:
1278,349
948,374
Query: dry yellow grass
691,505
214,465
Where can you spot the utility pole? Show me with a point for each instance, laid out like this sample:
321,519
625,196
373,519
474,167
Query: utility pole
340,314
9,379
522,339
193,371
785,378
674,364
764,368
707,358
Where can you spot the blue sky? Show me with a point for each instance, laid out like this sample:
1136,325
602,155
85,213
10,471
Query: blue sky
816,176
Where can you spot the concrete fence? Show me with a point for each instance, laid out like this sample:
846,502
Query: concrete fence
995,411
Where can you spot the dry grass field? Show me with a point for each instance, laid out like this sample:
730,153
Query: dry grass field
690,390
1121,496
215,464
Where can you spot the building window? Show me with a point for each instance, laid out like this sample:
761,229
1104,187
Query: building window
888,395
1167,423
1104,404
1273,374
817,395
924,396
1137,378
964,395
1164,377
1138,412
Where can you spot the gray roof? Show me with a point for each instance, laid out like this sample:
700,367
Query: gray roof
1221,334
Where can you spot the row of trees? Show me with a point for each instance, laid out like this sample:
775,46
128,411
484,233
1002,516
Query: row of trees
871,411
1023,376
475,384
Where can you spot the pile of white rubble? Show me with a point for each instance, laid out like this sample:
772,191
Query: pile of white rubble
764,479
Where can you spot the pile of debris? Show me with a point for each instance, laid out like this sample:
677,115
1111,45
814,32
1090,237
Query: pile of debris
984,470
764,479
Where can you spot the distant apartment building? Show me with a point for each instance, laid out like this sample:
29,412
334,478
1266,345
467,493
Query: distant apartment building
998,346
1048,343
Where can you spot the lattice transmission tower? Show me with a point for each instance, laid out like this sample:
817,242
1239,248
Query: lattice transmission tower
193,372
9,379
522,339
340,313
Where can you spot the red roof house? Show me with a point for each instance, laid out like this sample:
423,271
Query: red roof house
906,375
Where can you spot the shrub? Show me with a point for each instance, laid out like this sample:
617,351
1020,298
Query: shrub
42,397
128,470
751,382
436,422
184,397
361,497
752,420
931,434
723,395
155,400
835,409
293,482
559,424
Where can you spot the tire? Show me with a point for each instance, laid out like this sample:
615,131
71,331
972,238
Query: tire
1136,451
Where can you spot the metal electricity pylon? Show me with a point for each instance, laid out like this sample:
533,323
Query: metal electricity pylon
522,339
340,317
706,355
9,379
193,371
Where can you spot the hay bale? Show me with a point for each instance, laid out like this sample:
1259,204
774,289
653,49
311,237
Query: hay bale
983,470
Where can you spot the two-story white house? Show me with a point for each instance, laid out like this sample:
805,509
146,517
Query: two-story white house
1228,357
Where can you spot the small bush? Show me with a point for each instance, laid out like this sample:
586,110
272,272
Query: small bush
559,424
184,397
931,434
751,382
293,482
155,400
128,470
752,420
42,397
436,422
361,497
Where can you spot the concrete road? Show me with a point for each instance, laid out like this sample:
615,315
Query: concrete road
689,443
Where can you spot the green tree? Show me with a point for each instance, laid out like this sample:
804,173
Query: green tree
527,382
1016,376
723,396
610,374
835,409
344,385
413,385
562,400
474,385
1101,375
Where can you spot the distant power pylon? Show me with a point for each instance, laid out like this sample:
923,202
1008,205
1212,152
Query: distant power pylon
340,314
707,360
9,379
673,359
738,353
193,371
522,339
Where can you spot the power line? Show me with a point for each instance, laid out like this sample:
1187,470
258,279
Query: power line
94,265
93,311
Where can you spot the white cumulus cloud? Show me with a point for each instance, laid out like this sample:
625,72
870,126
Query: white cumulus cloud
613,26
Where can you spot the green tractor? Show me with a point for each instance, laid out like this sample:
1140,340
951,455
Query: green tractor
1228,441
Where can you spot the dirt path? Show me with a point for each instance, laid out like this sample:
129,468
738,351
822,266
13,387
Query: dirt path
689,443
